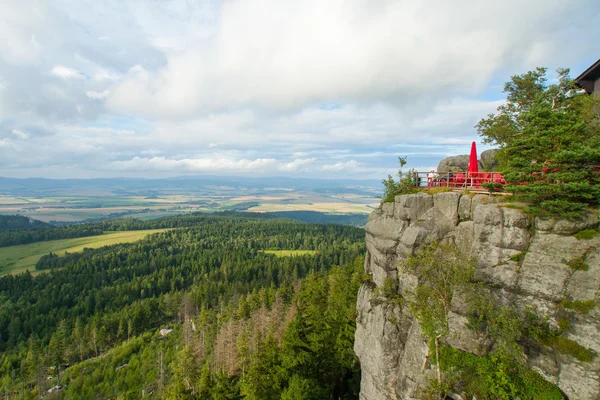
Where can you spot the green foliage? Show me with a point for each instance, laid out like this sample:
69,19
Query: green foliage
502,326
587,234
441,270
389,290
518,258
549,143
405,184
582,307
578,264
571,347
538,329
491,377
435,190
100,312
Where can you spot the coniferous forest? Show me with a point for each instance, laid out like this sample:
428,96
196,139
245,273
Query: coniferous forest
196,312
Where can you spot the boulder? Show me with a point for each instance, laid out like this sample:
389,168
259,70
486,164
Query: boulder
454,164
488,160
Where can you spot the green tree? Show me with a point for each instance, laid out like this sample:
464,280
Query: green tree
184,372
442,271
549,139
57,349
264,376
404,185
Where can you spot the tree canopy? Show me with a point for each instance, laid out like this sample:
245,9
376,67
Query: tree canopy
549,139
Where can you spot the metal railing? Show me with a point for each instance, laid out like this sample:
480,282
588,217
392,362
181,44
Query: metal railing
457,180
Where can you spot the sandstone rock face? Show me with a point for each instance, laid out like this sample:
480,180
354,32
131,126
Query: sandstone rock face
525,263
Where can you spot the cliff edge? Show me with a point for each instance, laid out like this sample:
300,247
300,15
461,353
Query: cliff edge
527,262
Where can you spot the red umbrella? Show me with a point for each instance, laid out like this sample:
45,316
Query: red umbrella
473,166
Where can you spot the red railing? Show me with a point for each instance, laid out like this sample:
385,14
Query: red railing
457,180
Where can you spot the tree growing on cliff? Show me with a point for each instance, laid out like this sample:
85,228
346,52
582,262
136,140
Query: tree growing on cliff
441,271
549,139
404,185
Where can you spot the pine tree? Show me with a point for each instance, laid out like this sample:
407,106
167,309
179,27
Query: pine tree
549,138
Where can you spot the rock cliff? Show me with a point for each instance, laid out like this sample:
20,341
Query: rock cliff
525,262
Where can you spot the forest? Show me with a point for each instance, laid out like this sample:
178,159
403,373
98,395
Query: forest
199,311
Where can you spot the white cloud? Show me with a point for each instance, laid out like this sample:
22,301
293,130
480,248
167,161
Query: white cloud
194,164
348,166
302,89
97,95
20,133
406,53
66,72
297,165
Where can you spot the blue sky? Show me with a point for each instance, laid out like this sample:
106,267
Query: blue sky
157,88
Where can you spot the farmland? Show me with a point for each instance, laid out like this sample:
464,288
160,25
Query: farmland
70,201
17,259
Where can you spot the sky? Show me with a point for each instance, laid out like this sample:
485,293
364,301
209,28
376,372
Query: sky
322,89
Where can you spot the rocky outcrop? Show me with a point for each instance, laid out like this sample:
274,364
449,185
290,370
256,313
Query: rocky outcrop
525,261
487,162
454,164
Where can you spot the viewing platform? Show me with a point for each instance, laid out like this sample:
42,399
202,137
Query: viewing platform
472,181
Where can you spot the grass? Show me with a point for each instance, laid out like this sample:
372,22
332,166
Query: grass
586,234
17,259
572,348
289,253
582,307
578,264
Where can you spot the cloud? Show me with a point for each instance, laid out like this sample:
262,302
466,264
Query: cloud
97,95
161,88
404,53
194,165
66,72
348,166
297,165
20,134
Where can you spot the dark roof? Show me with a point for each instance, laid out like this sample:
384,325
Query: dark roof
589,76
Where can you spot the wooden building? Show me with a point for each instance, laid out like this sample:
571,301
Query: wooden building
589,79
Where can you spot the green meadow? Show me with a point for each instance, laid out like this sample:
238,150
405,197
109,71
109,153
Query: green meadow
17,259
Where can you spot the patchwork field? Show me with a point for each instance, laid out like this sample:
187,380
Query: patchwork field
289,253
17,259
332,207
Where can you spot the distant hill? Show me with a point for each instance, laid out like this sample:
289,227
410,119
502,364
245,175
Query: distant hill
188,184
17,222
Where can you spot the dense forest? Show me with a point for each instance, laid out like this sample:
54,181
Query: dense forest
194,312
16,229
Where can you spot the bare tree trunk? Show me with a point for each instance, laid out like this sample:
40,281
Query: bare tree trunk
437,357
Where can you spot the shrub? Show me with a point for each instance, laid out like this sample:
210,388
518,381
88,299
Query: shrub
586,234
490,377
404,185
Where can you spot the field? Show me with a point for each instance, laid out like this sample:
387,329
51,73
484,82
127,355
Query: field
17,259
332,207
60,202
289,253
